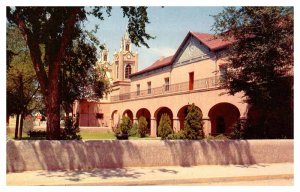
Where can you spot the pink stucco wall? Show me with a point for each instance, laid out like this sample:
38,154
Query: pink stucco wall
88,114
192,57
86,155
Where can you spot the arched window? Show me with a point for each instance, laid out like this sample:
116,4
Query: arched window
127,71
105,57
127,47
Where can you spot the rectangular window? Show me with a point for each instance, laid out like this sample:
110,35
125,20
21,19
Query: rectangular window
191,81
223,72
99,115
167,84
117,69
149,87
138,89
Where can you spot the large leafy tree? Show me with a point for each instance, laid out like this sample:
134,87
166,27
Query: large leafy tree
22,87
260,62
53,29
76,72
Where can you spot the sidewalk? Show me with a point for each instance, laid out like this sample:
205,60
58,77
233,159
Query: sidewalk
156,175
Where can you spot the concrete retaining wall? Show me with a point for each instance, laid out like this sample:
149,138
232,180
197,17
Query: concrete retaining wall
84,155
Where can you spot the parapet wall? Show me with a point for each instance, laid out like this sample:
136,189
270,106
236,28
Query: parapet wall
85,155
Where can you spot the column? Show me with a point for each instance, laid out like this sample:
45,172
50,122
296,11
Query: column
207,126
153,127
176,125
111,123
135,121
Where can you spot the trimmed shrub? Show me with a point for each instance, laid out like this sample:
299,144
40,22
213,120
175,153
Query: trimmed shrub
193,125
238,131
142,126
221,137
175,136
37,134
134,130
125,125
164,127
71,130
218,137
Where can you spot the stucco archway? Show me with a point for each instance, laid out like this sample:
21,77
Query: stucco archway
115,118
129,114
183,111
146,113
223,116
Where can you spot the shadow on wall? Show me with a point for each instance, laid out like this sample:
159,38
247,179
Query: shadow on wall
68,155
191,153
87,155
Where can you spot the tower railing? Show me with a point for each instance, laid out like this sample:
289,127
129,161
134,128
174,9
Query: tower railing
200,84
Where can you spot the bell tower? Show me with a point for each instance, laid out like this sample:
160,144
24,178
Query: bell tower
104,56
125,61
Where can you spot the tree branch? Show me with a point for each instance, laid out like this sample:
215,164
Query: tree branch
69,26
35,54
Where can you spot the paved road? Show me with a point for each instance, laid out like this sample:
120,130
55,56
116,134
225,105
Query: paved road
259,174
268,182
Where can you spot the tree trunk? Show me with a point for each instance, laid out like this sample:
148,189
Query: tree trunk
53,122
53,109
7,119
21,126
49,84
17,126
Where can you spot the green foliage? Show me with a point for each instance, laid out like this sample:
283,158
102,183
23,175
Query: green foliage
193,125
125,125
142,126
70,131
178,135
137,20
36,134
237,131
62,52
218,137
134,130
260,63
249,130
22,86
116,129
164,127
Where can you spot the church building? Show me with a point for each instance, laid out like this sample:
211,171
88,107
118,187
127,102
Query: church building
192,75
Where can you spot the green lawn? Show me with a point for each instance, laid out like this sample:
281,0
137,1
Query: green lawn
88,135
97,135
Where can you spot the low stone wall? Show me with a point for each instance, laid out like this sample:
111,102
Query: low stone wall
85,155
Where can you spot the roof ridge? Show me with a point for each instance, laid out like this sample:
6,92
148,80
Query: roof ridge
207,39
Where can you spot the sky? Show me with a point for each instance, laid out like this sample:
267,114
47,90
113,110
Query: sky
169,26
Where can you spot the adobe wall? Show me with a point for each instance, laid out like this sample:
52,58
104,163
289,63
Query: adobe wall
84,155
88,112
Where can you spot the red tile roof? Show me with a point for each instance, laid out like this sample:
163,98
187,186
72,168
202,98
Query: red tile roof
209,40
157,64
212,42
